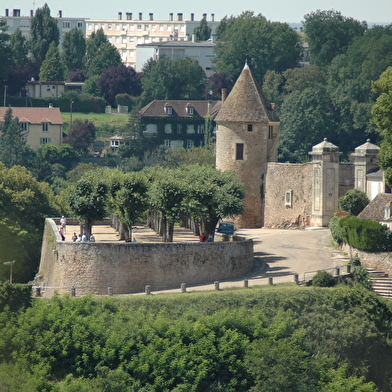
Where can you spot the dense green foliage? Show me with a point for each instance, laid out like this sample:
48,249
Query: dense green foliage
270,339
323,279
14,297
24,204
362,234
265,45
74,49
5,50
203,31
353,202
52,68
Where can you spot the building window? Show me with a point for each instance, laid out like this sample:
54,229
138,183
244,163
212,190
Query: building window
168,128
131,40
179,128
153,27
124,27
131,53
117,40
139,40
118,26
96,27
387,212
44,140
200,128
161,27
250,127
124,40
288,199
80,25
24,126
270,131
146,27
190,110
168,110
239,151
189,144
167,143
109,26
90,26
139,27
190,128
66,25
45,127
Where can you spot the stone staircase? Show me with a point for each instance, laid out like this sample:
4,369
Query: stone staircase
381,283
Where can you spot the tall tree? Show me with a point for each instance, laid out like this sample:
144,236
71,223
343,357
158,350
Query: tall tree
43,31
106,56
173,79
13,146
118,80
19,48
264,45
81,135
5,51
88,200
52,68
382,116
330,33
93,43
203,31
74,49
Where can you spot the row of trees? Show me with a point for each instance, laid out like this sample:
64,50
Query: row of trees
200,193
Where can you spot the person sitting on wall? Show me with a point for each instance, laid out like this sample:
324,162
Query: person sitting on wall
84,237
61,234
74,237
92,238
203,238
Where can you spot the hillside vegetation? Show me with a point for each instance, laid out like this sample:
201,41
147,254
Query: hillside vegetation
259,339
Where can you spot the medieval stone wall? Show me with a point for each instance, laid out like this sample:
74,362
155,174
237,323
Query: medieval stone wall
128,267
295,179
346,177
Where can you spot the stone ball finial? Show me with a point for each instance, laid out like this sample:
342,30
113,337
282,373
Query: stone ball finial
368,140
325,139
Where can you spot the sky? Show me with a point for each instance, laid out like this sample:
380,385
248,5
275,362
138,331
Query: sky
290,11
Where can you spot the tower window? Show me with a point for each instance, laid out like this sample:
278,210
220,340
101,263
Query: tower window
270,131
239,152
250,128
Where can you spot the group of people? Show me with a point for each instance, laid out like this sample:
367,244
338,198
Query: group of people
75,237
204,238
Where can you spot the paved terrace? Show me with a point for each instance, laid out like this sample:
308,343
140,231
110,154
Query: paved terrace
279,254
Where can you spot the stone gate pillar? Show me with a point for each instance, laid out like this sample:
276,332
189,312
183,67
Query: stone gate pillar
325,182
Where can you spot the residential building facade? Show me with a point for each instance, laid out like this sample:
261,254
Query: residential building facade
15,20
40,125
126,33
179,123
203,52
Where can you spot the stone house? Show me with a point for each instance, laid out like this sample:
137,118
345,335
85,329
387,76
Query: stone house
40,125
179,123
379,209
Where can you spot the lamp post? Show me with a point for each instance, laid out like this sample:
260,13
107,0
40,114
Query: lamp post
10,263
70,115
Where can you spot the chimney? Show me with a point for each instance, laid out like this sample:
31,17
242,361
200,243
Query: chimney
16,12
151,16
213,38
7,12
205,16
119,15
129,15
209,108
212,17
179,17
60,14
140,16
31,13
51,106
224,94
171,16
192,17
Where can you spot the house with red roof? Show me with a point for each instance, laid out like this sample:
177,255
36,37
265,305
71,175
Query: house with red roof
40,125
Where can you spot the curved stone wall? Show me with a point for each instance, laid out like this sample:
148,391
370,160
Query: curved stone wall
128,267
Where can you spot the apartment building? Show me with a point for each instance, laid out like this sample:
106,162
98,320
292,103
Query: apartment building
15,20
129,32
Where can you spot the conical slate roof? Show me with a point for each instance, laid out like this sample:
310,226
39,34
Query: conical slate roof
246,102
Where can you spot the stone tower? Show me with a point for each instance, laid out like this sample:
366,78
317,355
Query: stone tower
246,139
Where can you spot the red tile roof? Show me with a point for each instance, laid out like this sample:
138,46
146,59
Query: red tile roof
34,115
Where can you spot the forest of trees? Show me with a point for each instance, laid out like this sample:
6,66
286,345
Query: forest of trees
258,340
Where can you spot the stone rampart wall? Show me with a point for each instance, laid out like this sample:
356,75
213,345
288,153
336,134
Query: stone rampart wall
128,267
282,177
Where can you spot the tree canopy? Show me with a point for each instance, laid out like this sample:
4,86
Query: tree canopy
43,31
263,44
74,50
5,50
329,33
203,31
52,68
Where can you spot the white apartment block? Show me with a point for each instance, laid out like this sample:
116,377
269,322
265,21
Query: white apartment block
126,34
15,20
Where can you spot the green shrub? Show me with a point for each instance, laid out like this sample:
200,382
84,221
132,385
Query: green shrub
337,232
365,234
353,202
323,279
355,261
